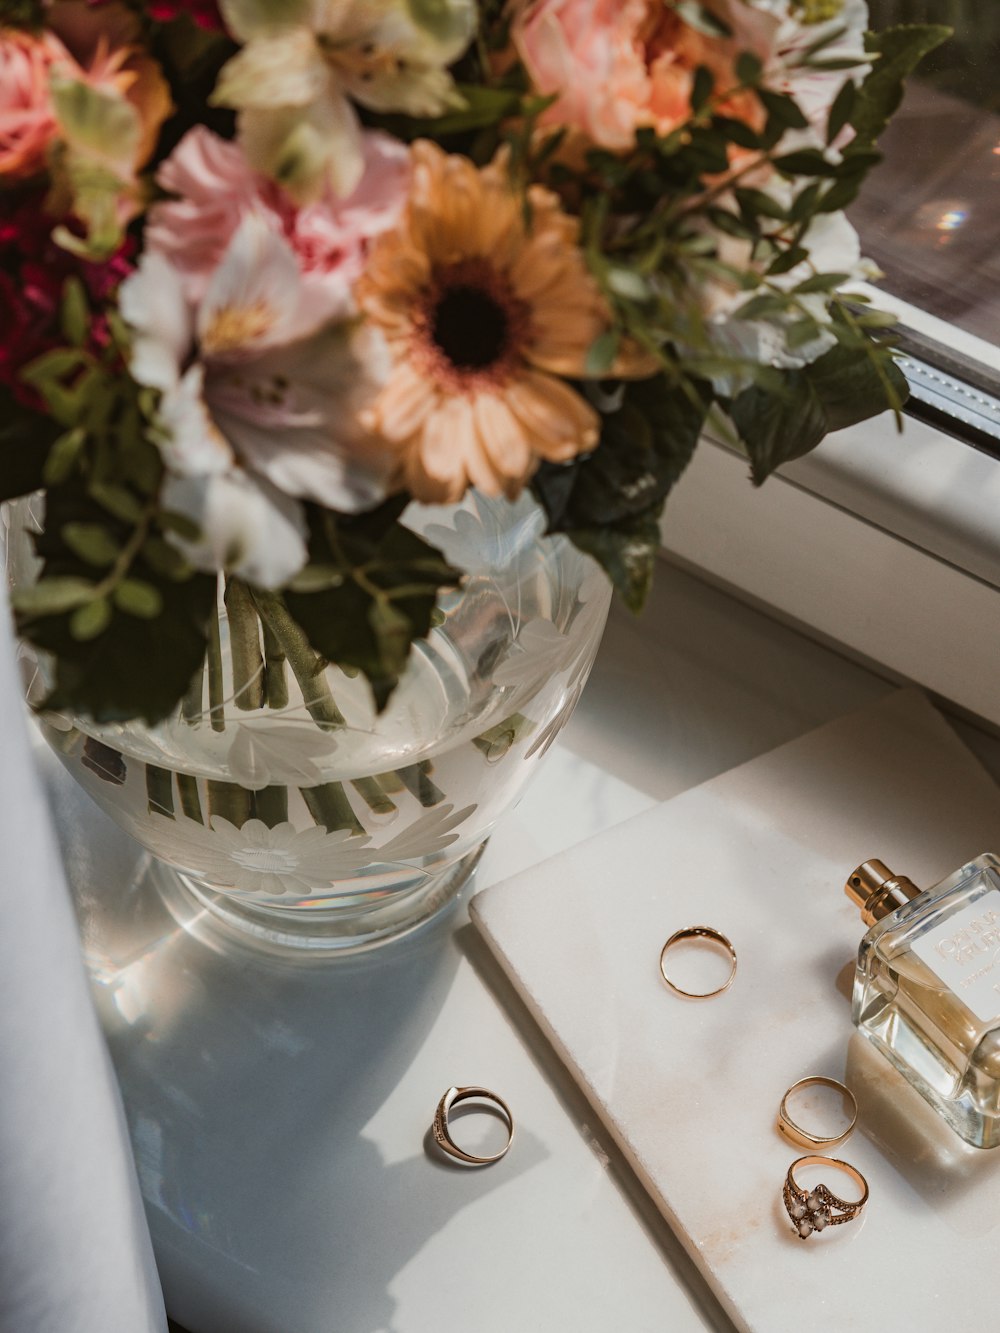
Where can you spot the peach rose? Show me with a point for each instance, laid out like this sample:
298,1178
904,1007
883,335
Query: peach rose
620,65
27,121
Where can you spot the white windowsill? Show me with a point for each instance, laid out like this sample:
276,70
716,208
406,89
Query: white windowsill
887,545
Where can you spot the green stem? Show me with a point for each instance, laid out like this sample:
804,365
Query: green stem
495,742
193,703
330,808
373,796
228,801
416,779
216,686
275,679
244,647
271,805
391,783
187,786
159,791
306,665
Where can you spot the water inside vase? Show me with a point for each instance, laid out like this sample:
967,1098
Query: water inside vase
273,808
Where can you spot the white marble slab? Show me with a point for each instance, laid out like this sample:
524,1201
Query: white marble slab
689,1090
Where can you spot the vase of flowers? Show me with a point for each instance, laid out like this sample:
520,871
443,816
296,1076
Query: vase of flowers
346,343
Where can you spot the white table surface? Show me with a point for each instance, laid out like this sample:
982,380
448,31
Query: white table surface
278,1114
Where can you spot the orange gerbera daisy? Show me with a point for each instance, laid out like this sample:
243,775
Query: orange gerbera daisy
484,310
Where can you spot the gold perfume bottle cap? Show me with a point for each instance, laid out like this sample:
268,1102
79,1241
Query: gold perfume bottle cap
877,891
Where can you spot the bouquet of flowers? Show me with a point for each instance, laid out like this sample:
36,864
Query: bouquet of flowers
272,269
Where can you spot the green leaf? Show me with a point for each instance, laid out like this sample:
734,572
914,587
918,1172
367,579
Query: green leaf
138,598
92,542
787,260
836,391
897,52
748,68
805,162
481,109
627,553
26,439
52,597
118,501
74,312
89,621
389,583
393,633
602,352
609,502
783,111
702,88
840,110
133,668
63,456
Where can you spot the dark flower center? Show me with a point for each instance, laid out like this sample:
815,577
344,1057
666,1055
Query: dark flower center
470,327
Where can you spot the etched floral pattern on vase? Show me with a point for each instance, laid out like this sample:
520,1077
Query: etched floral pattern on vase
338,828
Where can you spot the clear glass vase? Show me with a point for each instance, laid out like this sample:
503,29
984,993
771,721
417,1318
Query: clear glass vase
276,796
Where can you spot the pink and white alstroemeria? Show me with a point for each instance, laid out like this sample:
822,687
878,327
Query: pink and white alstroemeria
260,396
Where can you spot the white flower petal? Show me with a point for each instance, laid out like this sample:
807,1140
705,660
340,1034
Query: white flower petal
307,149
247,19
247,527
293,416
152,303
253,297
195,446
277,69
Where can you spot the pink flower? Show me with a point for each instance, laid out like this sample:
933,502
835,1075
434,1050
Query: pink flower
27,121
216,188
619,65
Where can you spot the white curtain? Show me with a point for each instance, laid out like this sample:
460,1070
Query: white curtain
75,1255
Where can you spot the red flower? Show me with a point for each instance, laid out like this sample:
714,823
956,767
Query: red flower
33,273
204,12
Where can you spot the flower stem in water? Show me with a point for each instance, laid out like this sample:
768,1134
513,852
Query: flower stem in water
330,808
159,791
306,665
373,795
187,786
228,801
275,679
244,647
216,689
416,778
271,805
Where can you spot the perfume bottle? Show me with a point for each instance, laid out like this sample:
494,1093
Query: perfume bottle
927,987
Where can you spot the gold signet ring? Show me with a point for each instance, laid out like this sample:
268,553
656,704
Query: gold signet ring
806,1138
441,1128
698,933
818,1208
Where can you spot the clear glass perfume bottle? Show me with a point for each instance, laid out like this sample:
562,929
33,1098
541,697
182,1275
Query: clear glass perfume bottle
927,987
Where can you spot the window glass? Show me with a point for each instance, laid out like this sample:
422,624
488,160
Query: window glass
930,214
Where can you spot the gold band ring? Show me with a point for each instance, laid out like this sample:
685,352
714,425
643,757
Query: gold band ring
698,933
802,1137
441,1129
818,1208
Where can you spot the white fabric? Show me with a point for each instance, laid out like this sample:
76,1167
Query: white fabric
75,1255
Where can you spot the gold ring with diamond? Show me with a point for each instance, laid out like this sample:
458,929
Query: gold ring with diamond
441,1128
699,933
818,1208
